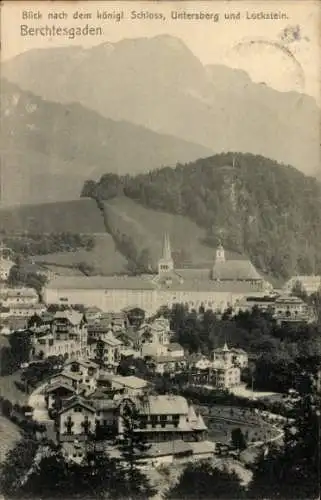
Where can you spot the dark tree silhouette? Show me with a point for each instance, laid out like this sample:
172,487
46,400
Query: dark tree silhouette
238,439
202,481
294,470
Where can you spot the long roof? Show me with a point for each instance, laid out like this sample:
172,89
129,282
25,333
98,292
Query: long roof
73,316
202,447
167,448
163,405
235,270
101,283
127,381
229,277
111,340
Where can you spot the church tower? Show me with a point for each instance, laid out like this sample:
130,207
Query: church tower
220,254
166,263
219,260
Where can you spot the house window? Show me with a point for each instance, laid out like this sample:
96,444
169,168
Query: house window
143,422
154,420
175,420
78,409
163,420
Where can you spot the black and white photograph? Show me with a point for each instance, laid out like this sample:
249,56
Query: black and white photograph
160,250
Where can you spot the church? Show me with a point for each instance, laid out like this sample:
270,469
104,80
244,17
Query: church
218,288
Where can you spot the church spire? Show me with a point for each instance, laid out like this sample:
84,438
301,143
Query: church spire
166,262
167,252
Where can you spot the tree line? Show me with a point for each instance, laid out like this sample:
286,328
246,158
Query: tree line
276,348
30,244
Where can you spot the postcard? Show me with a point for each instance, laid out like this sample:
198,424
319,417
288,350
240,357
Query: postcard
160,249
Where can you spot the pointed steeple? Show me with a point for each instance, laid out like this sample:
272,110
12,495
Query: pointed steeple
225,348
166,262
167,252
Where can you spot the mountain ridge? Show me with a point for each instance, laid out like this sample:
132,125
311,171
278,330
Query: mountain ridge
56,147
172,92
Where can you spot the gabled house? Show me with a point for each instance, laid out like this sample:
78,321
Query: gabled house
167,364
98,329
106,349
76,418
167,418
57,392
156,332
87,370
92,313
130,338
70,325
82,367
198,362
72,379
153,349
128,385
18,295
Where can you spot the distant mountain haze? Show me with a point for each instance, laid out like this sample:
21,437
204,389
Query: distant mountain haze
159,83
49,149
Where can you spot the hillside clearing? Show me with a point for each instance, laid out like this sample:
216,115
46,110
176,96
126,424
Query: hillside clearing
76,216
104,258
147,227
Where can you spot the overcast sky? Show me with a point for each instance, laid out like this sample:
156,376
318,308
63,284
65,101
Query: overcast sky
285,63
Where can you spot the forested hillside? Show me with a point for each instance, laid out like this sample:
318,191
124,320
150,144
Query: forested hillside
270,212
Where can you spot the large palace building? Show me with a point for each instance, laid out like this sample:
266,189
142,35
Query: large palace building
217,288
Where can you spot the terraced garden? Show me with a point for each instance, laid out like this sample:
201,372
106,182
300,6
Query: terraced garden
221,420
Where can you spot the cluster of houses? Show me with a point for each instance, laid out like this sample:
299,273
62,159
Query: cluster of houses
107,339
91,407
17,304
88,399
226,283
285,308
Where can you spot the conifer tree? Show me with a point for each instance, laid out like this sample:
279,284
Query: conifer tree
293,471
